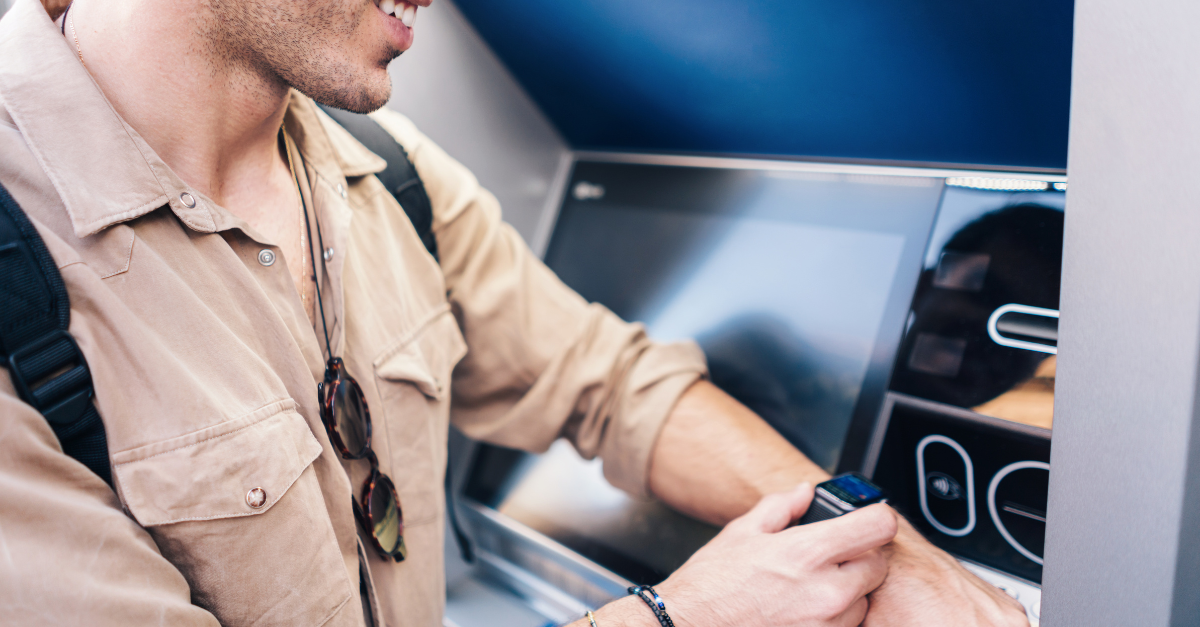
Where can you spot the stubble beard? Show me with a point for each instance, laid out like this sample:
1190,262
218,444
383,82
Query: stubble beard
307,46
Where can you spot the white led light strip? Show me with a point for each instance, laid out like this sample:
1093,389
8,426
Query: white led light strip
998,184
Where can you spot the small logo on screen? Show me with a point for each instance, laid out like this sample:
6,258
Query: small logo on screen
943,486
588,191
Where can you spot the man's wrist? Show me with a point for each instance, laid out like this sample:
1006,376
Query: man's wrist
910,549
624,612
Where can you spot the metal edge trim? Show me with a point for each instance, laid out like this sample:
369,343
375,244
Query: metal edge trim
966,414
596,573
831,167
876,444
553,204
992,569
535,590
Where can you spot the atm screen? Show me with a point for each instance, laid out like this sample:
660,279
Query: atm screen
794,283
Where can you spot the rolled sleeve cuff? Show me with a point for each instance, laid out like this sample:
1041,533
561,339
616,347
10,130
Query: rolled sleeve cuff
654,385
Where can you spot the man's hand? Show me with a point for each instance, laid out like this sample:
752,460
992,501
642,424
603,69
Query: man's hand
758,572
714,460
928,587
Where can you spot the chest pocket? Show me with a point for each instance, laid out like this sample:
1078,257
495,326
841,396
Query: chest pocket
238,509
413,377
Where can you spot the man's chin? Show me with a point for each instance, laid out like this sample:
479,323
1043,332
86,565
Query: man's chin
353,91
357,105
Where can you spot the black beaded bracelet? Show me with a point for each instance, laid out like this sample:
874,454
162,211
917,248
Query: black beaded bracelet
647,594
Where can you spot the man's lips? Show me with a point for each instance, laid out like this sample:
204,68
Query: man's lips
405,11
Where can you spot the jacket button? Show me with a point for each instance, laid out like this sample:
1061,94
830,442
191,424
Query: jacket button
266,257
256,498
341,190
187,200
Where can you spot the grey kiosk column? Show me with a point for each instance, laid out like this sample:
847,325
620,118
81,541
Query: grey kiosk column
1123,542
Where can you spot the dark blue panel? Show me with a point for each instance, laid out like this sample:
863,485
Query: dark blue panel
935,81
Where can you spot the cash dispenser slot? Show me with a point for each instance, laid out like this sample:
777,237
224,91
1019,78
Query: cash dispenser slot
1025,327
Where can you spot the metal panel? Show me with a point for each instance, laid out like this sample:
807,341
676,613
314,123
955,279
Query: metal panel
1124,523
929,81
457,92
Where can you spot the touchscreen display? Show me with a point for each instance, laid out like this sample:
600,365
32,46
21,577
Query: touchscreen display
793,283
852,490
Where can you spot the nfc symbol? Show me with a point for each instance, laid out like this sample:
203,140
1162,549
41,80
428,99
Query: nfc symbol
944,486
926,480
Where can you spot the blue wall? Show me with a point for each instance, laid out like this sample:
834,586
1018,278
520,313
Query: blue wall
934,81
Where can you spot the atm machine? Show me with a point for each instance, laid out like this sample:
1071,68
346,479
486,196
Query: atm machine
900,322
870,257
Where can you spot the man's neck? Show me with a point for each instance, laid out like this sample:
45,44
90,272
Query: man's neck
214,121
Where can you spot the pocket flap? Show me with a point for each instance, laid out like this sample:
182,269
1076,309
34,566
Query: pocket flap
426,357
210,473
409,365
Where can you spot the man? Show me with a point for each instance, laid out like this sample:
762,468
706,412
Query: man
226,248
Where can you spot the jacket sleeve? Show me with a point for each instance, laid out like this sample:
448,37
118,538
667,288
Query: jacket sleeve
542,362
68,554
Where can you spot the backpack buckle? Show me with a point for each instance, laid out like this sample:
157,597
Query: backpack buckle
52,375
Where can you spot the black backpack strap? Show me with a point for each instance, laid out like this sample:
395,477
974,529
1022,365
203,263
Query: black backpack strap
47,368
400,177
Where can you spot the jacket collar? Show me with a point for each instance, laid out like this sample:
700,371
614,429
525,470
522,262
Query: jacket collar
326,146
100,166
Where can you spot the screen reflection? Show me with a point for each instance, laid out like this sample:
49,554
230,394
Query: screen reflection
788,281
983,330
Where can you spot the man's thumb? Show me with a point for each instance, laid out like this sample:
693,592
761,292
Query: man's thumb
775,512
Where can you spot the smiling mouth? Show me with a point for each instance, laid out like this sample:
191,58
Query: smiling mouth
404,11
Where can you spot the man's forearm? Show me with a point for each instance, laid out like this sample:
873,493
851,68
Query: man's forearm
715,458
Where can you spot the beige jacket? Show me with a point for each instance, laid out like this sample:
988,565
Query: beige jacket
206,366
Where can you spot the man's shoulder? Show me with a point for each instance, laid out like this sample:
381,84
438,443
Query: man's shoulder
400,127
27,183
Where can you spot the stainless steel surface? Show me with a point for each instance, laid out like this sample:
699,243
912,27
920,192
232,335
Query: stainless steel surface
474,602
566,499
545,226
574,575
460,95
1126,406
521,575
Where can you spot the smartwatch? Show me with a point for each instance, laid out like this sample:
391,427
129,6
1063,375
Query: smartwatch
841,495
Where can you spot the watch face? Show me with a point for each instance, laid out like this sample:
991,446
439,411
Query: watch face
853,489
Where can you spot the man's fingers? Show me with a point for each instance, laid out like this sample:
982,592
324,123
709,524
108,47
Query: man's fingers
776,511
865,572
853,534
855,614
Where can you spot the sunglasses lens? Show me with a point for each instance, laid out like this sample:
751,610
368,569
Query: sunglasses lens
349,413
387,518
